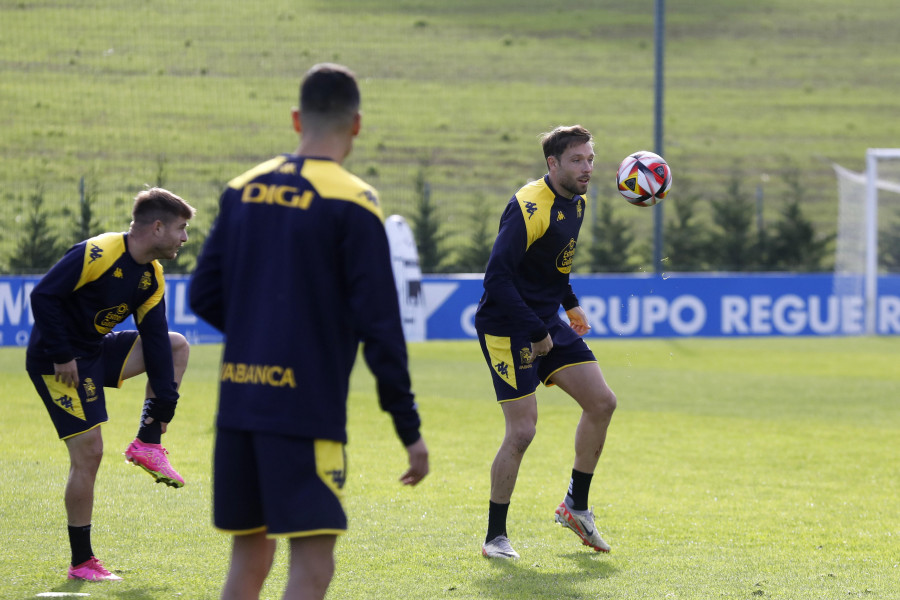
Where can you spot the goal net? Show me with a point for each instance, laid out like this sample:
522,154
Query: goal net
868,211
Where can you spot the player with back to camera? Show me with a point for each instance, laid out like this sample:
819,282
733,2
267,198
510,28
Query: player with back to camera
73,352
525,341
296,272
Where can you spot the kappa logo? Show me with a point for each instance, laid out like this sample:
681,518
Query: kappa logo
70,405
560,216
530,208
502,369
118,273
337,477
288,169
64,402
96,253
368,195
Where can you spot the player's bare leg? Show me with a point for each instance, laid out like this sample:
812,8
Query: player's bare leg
585,383
251,560
311,567
85,454
521,425
181,351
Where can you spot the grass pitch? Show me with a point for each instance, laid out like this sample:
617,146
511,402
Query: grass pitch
733,469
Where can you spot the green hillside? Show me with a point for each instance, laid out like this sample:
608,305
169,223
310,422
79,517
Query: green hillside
191,94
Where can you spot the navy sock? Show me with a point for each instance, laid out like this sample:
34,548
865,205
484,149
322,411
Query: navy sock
80,542
152,433
579,486
496,520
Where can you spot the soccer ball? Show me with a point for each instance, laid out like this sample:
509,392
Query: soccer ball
644,178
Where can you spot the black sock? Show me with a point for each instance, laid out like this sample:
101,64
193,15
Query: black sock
80,542
579,486
496,520
152,433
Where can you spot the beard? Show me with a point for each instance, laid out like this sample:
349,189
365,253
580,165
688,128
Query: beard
572,186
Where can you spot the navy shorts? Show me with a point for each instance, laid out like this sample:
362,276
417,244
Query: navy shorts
76,410
282,485
508,357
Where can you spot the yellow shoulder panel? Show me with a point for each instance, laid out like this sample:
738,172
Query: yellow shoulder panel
536,202
153,300
334,182
100,253
260,169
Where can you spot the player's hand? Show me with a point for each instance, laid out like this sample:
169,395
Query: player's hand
578,320
66,373
541,348
418,463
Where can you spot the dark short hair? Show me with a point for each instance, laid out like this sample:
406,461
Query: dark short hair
329,93
556,142
157,204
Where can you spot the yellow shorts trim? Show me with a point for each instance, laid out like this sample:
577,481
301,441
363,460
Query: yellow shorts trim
243,531
311,533
85,431
514,399
547,381
121,380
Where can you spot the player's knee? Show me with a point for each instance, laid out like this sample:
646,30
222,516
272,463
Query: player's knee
321,577
521,435
86,456
603,404
181,349
610,401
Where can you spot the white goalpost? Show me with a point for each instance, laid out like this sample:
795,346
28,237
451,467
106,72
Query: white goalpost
856,252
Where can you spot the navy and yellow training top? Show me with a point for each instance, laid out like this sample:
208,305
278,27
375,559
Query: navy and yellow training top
296,271
527,275
95,286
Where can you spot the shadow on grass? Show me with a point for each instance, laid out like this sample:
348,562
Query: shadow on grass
102,589
519,579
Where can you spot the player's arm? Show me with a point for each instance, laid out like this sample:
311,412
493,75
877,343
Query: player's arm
375,314
47,301
499,276
157,348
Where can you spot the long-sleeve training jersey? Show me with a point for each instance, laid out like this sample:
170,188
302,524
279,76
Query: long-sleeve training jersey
527,275
95,286
296,272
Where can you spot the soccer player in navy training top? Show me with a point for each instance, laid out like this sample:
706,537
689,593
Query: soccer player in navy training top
74,353
525,341
296,272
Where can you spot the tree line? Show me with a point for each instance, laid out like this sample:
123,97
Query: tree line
731,237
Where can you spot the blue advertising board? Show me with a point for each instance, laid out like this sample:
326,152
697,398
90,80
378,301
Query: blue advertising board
688,305
16,319
633,306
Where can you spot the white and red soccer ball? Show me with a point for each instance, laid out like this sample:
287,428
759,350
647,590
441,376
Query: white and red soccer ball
644,178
